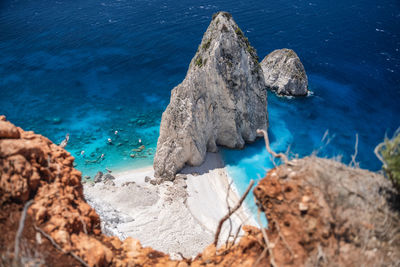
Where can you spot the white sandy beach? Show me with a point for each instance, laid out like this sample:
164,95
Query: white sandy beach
180,216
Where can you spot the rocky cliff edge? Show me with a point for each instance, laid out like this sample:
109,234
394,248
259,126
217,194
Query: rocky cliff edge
320,213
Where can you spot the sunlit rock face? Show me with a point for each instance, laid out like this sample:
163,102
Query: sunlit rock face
284,73
222,100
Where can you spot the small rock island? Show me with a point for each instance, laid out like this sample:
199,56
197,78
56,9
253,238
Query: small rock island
284,73
222,100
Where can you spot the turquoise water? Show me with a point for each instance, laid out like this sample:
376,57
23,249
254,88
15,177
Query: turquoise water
90,68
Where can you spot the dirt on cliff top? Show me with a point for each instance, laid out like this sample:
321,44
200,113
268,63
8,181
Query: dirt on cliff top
320,212
324,213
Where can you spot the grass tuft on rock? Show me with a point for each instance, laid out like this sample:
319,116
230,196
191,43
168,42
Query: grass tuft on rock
239,32
206,45
199,62
252,51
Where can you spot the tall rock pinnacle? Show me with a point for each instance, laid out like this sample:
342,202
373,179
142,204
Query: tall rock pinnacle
221,101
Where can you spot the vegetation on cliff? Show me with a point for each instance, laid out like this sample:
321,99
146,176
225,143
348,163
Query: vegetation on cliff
389,153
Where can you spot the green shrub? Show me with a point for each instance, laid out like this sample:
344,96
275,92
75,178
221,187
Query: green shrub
207,44
199,62
249,48
239,32
389,153
252,51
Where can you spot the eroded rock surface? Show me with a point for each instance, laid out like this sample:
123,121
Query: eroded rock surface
324,213
222,100
33,168
320,213
284,73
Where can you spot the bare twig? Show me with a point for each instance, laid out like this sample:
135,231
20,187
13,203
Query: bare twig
353,162
231,244
262,255
326,134
227,216
237,234
267,243
64,142
59,248
378,155
183,257
83,225
284,241
275,155
229,210
20,229
326,139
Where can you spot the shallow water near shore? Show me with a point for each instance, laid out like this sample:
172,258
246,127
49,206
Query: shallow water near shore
91,68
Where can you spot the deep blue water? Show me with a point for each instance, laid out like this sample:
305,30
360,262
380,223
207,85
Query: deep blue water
90,68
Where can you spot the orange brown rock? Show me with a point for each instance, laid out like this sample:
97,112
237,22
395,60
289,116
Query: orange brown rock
320,212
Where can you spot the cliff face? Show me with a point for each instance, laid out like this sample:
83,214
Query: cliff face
222,100
284,73
324,213
34,170
320,212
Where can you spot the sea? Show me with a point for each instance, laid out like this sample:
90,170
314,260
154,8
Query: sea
102,71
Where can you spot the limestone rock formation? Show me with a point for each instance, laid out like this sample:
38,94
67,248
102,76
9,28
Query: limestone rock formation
284,73
222,100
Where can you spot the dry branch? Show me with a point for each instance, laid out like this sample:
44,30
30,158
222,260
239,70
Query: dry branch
229,210
262,255
83,225
183,257
267,243
20,229
275,155
326,139
378,155
64,142
236,235
280,235
60,248
227,216
353,162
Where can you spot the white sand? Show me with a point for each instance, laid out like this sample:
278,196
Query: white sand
180,216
